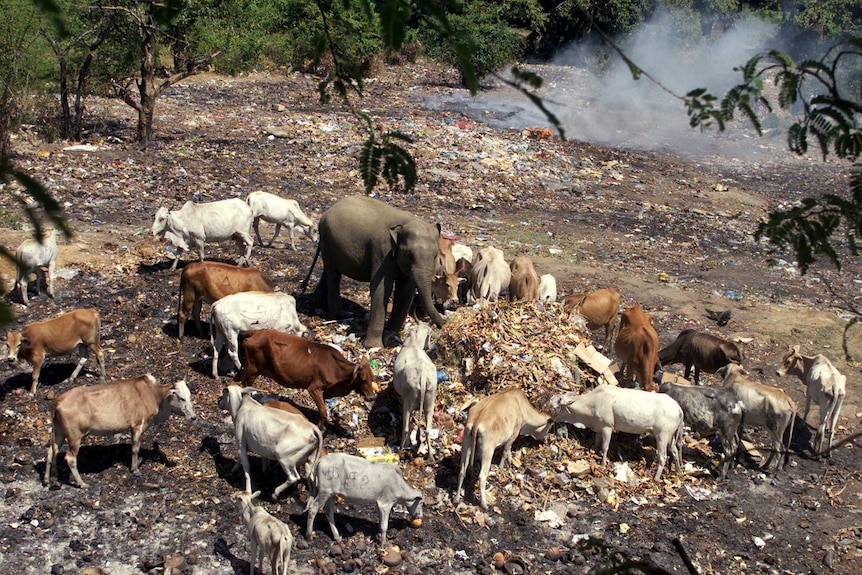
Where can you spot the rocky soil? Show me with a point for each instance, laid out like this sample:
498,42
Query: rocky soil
671,232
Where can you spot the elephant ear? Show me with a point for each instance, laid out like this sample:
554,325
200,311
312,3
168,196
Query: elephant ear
394,232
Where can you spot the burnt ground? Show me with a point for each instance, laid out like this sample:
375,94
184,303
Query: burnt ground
670,232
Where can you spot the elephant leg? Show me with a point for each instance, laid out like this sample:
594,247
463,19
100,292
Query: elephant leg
331,281
381,288
401,302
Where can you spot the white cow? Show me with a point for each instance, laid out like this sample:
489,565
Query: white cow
490,275
247,311
358,480
288,438
547,292
281,212
608,408
32,256
824,384
462,251
195,224
268,536
415,380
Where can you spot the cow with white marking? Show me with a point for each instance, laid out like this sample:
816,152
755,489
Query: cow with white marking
247,311
193,225
358,480
269,537
825,385
107,409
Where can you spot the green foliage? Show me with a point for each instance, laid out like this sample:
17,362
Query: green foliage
491,42
385,158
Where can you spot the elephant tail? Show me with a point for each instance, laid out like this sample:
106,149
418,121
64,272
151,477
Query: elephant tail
304,285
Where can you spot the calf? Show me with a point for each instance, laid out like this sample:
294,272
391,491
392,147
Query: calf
247,311
524,281
824,384
703,351
599,308
359,481
195,224
711,410
414,378
208,282
281,212
76,331
32,256
765,406
445,289
271,433
494,421
298,363
109,408
547,292
637,347
490,275
607,408
268,536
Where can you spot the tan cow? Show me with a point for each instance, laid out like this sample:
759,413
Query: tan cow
495,421
76,331
109,408
637,347
207,282
524,283
444,263
268,537
599,308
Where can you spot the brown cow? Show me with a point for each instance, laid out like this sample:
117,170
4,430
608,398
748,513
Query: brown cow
464,269
703,351
637,347
65,334
298,363
445,289
207,282
524,283
599,308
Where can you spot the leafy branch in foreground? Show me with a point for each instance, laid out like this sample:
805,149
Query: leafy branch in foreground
819,92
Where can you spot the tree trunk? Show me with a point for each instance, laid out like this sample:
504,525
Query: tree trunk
147,83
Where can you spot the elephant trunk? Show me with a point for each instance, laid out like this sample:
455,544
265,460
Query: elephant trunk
422,279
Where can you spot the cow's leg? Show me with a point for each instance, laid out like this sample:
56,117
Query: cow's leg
807,406
243,460
605,435
253,558
38,360
466,460
292,477
406,424
256,225
233,350
506,455
100,359
837,402
312,507
385,510
275,235
661,454
687,373
330,517
217,341
82,351
137,438
49,280
72,458
429,417
485,467
317,396
292,233
56,440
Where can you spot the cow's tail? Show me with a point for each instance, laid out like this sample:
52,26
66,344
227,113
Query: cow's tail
304,284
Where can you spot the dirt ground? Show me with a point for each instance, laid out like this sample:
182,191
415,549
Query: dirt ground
670,232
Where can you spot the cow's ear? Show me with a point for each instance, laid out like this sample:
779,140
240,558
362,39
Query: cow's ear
439,228
796,348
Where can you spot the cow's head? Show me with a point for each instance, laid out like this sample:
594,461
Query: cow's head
363,380
160,223
181,400
791,362
14,340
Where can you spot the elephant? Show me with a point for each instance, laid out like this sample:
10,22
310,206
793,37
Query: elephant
371,241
